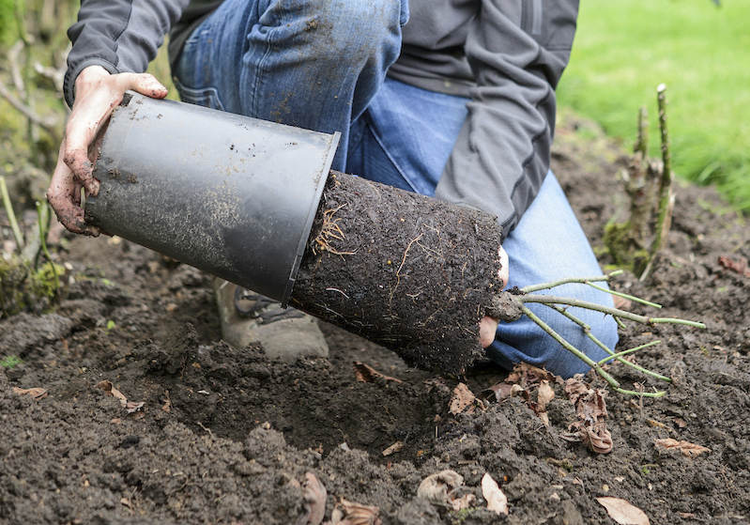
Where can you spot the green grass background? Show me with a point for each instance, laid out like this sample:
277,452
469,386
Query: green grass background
625,48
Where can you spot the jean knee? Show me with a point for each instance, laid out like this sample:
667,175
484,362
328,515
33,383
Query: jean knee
352,32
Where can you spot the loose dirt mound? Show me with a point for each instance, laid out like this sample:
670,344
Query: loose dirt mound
227,436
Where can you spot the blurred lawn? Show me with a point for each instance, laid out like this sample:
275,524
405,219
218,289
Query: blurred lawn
625,48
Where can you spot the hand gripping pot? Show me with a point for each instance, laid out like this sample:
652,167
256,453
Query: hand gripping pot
232,195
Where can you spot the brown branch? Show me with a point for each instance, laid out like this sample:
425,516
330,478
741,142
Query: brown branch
15,69
47,123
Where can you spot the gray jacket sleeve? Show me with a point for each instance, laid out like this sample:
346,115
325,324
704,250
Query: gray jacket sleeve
119,35
517,51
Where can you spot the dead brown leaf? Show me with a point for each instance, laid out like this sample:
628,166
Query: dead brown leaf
736,264
522,382
314,494
679,422
496,499
442,488
545,394
521,379
591,427
526,375
36,393
349,513
109,389
367,374
688,449
464,502
461,400
621,303
623,512
397,446
167,406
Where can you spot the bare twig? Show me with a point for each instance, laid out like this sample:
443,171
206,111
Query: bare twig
57,76
590,282
555,303
665,196
641,144
11,215
15,70
615,312
46,123
580,280
587,331
586,359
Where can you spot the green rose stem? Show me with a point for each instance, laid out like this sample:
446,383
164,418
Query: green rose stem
555,302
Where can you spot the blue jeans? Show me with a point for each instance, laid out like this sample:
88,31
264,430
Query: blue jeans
321,64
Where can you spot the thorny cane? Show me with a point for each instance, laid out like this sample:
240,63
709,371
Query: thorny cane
523,296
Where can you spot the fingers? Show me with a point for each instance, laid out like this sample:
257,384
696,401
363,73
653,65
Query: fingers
488,325
504,272
95,103
487,329
64,197
97,95
143,83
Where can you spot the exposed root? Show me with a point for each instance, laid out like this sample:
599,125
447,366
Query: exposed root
401,266
330,232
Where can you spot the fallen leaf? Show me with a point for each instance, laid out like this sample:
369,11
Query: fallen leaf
398,445
496,499
349,513
36,393
314,494
621,303
522,382
461,399
109,389
367,374
688,449
591,427
167,406
526,375
623,512
441,488
738,265
464,502
545,394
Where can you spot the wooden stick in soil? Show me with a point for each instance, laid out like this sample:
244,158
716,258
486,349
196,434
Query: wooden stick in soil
665,203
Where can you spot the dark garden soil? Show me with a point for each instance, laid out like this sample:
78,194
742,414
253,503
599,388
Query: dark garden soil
411,273
227,436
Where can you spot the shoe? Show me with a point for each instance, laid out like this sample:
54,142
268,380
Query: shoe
284,333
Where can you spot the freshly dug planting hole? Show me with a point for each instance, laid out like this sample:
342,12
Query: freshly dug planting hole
409,272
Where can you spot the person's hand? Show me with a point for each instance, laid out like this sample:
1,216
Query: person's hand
97,94
488,325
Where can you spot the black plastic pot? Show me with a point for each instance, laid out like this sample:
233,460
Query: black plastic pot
231,195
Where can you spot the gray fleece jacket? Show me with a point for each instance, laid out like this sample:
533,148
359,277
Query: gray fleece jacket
507,56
